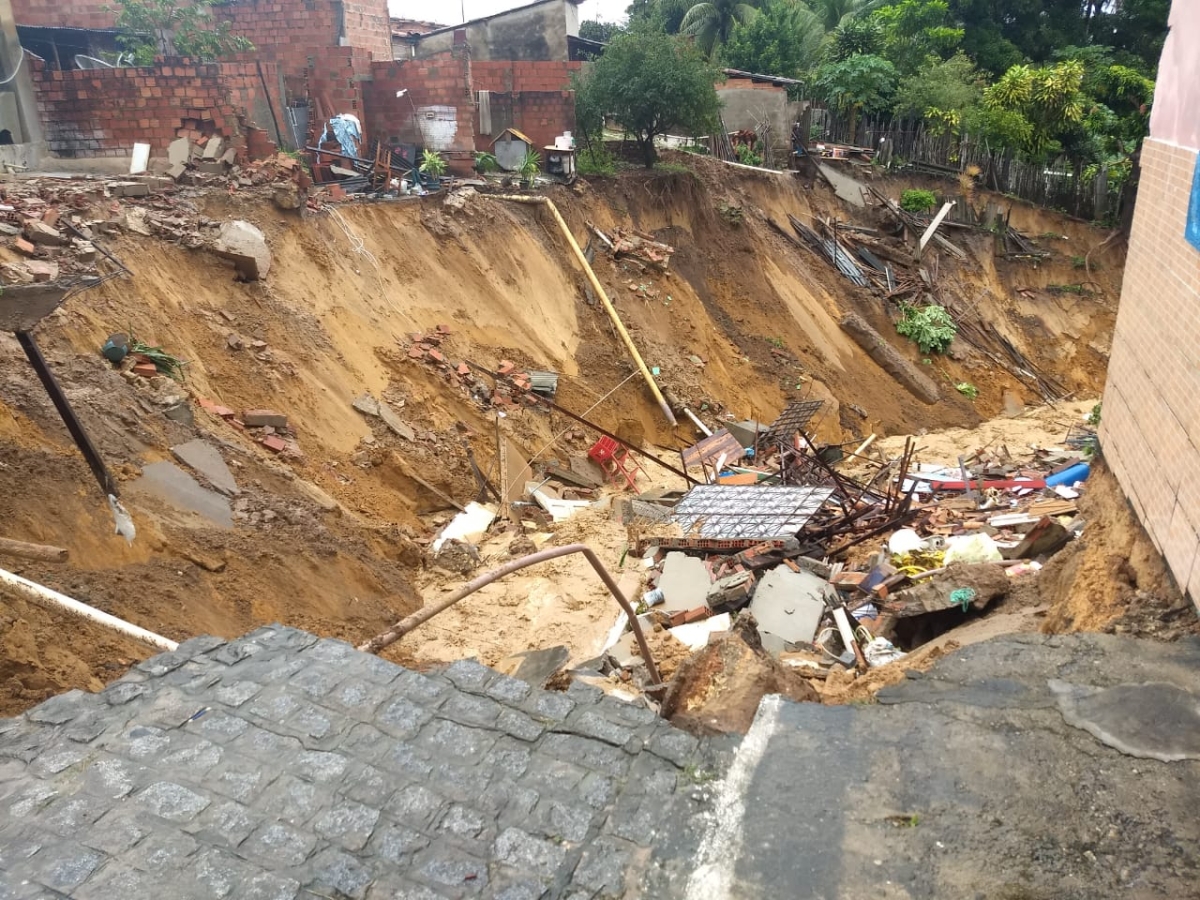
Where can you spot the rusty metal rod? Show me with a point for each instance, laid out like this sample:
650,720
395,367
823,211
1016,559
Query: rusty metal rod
407,624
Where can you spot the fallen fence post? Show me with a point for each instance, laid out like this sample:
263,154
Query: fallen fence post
405,625
25,550
43,596
601,293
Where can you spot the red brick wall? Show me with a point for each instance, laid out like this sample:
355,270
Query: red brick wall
104,112
440,82
76,13
540,115
505,76
368,27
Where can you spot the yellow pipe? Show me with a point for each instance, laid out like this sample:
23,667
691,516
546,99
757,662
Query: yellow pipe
601,293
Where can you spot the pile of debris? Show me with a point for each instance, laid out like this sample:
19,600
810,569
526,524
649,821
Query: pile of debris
770,541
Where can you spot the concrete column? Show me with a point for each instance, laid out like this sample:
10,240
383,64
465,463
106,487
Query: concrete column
18,105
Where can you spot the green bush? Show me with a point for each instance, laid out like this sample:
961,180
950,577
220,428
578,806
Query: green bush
746,155
596,160
917,201
929,327
432,164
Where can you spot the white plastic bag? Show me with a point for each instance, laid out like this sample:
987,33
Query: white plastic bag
972,548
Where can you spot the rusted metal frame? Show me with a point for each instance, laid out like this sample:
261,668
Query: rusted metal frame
405,625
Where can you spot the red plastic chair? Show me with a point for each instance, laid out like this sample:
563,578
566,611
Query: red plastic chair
615,461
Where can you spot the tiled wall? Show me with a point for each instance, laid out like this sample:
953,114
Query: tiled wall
1150,427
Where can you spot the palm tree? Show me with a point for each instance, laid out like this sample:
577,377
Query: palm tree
833,13
711,22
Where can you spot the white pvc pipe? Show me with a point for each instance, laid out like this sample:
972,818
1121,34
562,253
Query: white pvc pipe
43,596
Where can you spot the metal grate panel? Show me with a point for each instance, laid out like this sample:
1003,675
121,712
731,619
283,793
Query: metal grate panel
793,419
747,511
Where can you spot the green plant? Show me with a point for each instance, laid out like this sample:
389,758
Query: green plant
152,28
967,389
917,201
652,83
693,774
596,160
486,162
530,166
775,342
167,363
929,327
432,164
1093,418
746,155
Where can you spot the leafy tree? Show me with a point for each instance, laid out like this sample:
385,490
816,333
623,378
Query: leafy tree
858,85
711,22
999,35
153,28
914,30
783,39
859,36
591,30
1049,98
950,86
651,83
658,15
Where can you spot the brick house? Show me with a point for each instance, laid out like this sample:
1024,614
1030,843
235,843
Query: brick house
1150,427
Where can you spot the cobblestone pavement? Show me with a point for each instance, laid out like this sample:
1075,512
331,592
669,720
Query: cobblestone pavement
279,765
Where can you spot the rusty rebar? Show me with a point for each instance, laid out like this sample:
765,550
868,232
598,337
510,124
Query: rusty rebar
407,624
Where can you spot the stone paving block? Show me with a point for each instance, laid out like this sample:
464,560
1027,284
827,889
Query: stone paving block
67,816
508,690
675,746
461,782
450,867
392,888
315,680
121,692
340,874
529,852
356,697
424,690
396,842
320,766
60,709
508,759
59,759
401,718
61,866
259,743
239,778
161,851
549,707
347,823
442,738
415,805
269,886
602,867
367,784
225,823
293,801
468,675
235,693
220,872
332,651
519,725
219,726
403,760
587,752
274,846
172,801
470,710
118,830
590,724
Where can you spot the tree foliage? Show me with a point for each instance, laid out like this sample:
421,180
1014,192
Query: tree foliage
651,83
591,30
711,22
783,39
912,31
862,83
940,86
151,28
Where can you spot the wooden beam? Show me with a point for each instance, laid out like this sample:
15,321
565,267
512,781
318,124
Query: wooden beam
26,550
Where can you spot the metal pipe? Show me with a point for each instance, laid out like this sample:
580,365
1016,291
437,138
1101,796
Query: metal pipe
704,429
601,293
44,596
405,625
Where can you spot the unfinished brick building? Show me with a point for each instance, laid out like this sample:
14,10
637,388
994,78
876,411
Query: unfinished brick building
312,59
1151,416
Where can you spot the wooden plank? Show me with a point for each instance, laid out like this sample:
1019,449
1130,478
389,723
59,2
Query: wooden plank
25,550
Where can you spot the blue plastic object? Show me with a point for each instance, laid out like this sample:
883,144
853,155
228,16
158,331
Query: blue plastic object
1077,472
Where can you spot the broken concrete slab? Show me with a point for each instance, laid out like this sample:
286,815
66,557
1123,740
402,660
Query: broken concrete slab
204,459
40,233
246,246
212,150
179,151
42,271
395,423
129,189
169,483
22,306
534,667
366,404
789,605
685,582
264,418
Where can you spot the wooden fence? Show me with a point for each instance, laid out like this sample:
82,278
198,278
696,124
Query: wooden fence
908,144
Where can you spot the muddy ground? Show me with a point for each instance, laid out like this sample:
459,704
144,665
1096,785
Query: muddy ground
333,540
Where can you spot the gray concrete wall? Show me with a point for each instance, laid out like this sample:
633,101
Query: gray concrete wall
742,108
533,33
